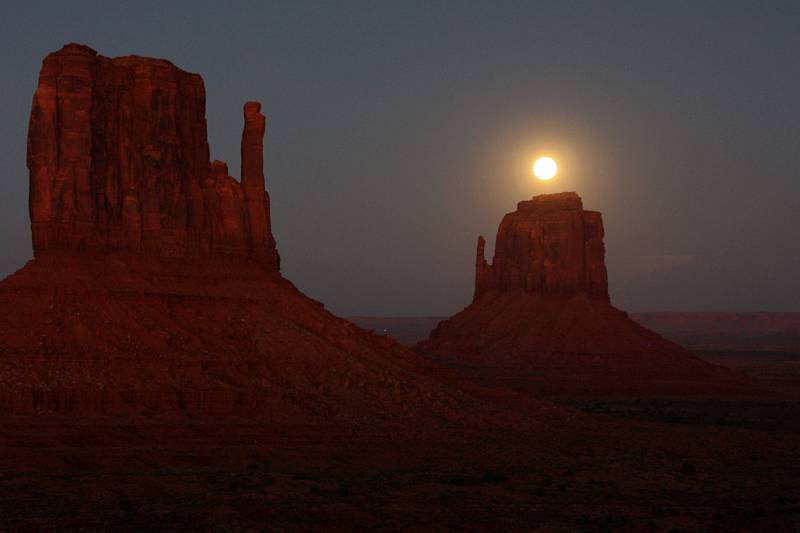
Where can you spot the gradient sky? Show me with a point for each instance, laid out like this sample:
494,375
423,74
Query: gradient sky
399,131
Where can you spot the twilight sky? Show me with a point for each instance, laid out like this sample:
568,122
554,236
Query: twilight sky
399,131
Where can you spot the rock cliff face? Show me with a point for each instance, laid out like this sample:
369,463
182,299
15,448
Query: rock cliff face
119,160
541,319
549,245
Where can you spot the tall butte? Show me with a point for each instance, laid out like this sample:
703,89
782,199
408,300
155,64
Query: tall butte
541,318
155,285
119,160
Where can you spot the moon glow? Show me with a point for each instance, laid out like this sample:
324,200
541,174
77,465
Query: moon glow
545,168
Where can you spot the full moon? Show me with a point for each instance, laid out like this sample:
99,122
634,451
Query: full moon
545,168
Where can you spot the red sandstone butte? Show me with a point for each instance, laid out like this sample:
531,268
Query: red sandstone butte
155,286
549,245
541,319
119,160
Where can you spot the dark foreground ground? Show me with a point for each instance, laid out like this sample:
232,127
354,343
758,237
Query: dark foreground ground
637,465
576,473
634,465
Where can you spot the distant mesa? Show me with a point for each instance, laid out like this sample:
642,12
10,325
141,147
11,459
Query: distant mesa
541,319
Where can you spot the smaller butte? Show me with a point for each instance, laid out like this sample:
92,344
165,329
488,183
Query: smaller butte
541,320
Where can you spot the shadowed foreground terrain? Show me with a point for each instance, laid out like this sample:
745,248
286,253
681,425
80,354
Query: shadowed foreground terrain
569,472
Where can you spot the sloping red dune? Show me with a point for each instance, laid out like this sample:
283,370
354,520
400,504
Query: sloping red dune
122,333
